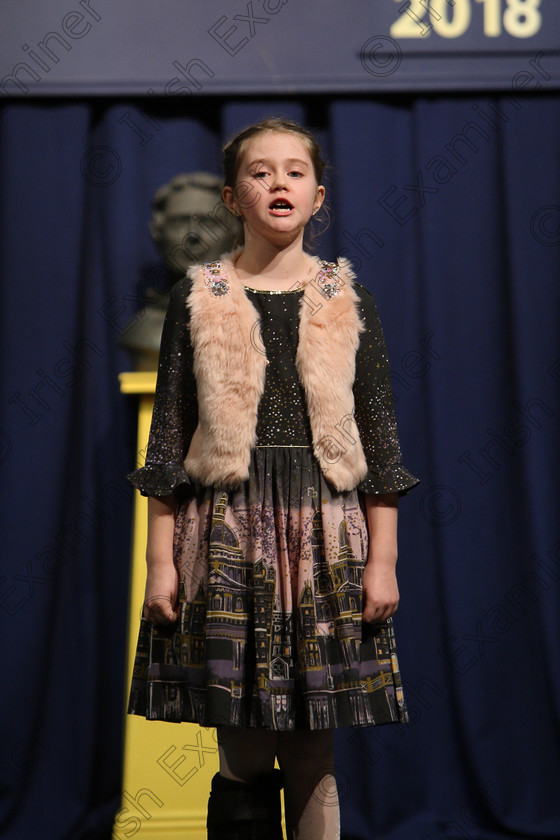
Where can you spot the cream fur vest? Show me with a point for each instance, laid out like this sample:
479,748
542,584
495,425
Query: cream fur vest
230,373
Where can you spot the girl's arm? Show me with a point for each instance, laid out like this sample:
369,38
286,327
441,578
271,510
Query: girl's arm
379,581
162,582
374,411
175,414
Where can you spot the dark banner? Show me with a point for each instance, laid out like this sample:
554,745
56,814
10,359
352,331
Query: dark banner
136,47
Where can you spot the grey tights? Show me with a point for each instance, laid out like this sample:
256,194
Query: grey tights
306,759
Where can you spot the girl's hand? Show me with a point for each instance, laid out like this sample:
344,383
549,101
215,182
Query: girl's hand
162,582
381,593
379,580
160,598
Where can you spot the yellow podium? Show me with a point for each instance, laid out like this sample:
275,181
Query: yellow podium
168,767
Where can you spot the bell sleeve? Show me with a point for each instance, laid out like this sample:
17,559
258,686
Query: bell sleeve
175,414
374,412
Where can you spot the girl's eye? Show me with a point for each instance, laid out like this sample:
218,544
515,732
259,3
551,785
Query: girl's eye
294,173
260,173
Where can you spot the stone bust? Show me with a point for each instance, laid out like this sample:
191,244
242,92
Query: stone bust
190,224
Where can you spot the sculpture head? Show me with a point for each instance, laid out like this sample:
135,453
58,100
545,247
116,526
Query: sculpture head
190,223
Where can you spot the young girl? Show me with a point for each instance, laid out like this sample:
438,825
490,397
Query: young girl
273,474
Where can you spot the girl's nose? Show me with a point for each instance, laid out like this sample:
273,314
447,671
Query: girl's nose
279,182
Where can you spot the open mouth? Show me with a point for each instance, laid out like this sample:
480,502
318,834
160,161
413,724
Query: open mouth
280,205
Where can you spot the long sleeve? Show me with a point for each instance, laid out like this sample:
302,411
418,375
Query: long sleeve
374,412
175,414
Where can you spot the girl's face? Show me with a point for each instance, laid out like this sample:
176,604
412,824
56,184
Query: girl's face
276,192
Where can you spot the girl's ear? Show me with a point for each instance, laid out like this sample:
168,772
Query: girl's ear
319,198
229,201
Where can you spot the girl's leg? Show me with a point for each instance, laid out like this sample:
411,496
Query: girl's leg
310,795
245,799
245,753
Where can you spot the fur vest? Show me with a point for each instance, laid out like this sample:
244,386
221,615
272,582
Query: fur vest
230,373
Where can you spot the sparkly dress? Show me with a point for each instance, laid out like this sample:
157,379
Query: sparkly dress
270,632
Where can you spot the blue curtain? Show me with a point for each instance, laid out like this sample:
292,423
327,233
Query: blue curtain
450,209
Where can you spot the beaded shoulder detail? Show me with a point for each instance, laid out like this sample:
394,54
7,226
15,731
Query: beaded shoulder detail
328,279
215,277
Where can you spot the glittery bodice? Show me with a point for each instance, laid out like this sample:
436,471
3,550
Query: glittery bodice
282,415
282,418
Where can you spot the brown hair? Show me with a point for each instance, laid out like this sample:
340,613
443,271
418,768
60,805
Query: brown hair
236,146
233,150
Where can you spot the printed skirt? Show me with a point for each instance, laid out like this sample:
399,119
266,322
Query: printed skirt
270,631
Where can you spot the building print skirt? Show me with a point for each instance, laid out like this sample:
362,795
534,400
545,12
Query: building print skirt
270,631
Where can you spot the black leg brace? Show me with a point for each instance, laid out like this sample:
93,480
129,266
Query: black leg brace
245,811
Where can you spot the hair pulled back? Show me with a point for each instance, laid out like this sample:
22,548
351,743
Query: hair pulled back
233,150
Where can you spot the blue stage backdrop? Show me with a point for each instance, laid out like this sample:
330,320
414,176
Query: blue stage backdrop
178,48
450,211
